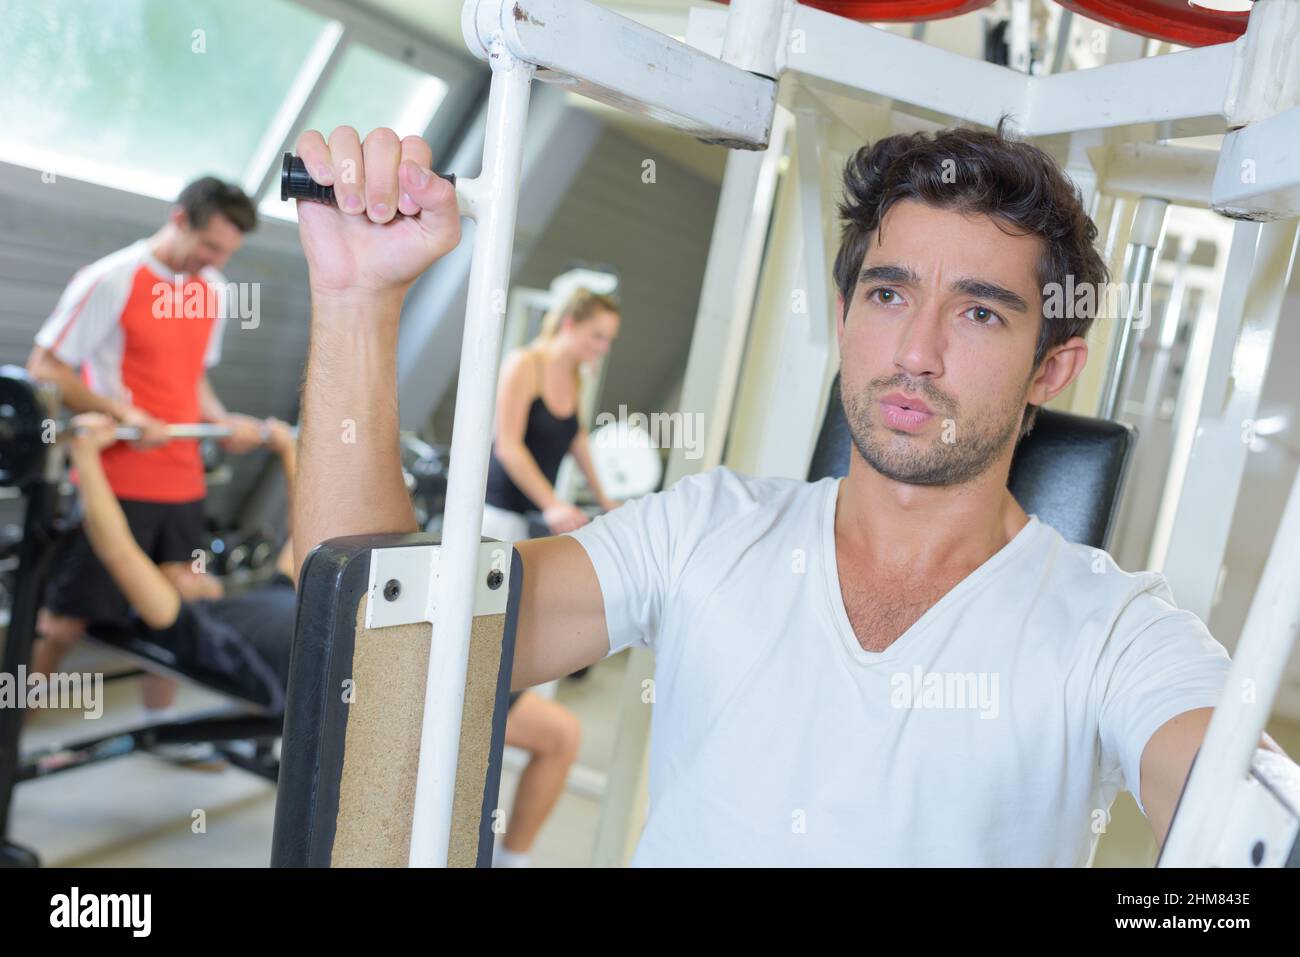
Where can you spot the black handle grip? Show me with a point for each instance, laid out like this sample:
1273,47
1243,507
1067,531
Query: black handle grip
296,182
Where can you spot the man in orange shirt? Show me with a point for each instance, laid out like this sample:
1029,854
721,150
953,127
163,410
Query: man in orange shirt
133,336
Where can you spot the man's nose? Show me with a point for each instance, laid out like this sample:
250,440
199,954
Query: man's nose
920,348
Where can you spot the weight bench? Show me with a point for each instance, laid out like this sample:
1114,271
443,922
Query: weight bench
154,657
246,720
356,702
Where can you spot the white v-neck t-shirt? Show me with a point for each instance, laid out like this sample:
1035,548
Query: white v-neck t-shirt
996,731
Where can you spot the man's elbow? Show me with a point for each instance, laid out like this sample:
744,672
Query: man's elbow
1160,807
41,364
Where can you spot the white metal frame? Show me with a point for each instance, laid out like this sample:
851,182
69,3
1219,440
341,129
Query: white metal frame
721,87
1196,510
494,204
1219,796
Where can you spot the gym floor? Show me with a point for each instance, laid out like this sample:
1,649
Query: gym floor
139,811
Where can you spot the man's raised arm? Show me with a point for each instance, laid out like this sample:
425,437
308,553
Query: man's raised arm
362,259
361,262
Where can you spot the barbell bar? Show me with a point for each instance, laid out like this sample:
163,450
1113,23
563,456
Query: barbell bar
184,430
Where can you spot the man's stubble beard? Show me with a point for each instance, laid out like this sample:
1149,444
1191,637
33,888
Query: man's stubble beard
904,458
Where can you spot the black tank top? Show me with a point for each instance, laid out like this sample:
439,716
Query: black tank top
548,439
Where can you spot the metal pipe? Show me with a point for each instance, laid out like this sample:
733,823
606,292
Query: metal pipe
1143,239
195,430
754,35
1061,43
453,574
1019,29
35,554
1168,335
1139,267
175,430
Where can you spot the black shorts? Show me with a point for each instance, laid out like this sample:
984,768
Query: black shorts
80,587
514,696
208,647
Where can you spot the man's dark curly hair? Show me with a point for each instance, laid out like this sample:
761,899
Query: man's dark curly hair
977,171
208,196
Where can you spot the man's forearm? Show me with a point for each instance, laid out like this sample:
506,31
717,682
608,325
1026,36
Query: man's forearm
349,479
211,408
74,394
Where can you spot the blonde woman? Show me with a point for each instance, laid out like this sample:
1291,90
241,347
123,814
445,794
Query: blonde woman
537,424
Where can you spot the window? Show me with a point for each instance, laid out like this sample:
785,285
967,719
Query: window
146,95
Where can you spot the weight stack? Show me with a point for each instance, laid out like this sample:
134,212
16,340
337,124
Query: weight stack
355,706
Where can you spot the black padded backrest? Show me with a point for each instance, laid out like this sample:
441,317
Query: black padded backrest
334,580
1069,470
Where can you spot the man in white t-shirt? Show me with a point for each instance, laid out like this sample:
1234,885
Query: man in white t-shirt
901,667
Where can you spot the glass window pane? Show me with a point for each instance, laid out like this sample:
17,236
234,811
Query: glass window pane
368,90
146,95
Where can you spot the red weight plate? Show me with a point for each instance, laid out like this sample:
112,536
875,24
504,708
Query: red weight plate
1175,21
896,11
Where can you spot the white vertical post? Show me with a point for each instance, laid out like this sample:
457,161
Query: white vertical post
1235,729
1169,324
452,588
790,359
808,346
1021,27
755,33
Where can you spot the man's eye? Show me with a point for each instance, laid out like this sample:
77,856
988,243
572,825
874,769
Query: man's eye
882,292
983,316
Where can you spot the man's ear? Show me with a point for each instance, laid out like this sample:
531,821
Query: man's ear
839,313
179,218
1058,369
